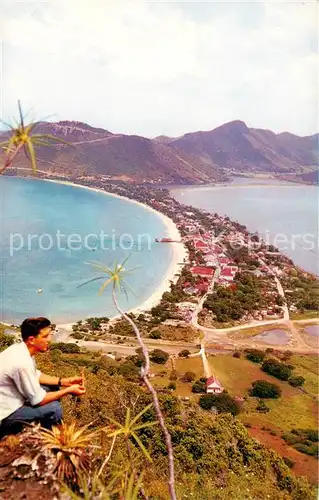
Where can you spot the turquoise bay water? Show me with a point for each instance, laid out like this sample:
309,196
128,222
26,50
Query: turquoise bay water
34,207
287,212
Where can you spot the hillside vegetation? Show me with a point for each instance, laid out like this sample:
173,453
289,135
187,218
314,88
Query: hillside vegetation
215,457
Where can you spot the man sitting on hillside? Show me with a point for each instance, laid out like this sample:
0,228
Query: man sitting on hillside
25,392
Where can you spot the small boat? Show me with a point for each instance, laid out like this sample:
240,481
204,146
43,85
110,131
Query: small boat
39,290
164,240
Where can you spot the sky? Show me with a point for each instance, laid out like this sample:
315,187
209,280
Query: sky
162,67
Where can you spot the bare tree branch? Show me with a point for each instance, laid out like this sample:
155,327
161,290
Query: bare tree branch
144,375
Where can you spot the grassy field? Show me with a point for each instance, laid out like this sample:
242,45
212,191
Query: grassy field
236,375
289,413
183,389
286,413
308,363
190,365
293,409
305,315
307,367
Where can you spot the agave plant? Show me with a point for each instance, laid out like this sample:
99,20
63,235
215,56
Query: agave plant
70,446
115,277
22,137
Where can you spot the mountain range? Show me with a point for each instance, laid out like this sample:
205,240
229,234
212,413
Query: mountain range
194,158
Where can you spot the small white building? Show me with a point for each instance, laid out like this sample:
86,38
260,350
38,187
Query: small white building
213,386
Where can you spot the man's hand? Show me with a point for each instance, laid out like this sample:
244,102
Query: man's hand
68,381
76,389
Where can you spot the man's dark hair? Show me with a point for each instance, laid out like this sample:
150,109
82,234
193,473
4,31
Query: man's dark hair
31,327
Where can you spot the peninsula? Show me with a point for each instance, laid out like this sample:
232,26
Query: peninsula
227,280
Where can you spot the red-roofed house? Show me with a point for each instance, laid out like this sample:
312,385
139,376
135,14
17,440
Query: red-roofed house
213,386
200,245
204,272
228,273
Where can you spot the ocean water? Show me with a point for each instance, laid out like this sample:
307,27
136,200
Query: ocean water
283,213
43,227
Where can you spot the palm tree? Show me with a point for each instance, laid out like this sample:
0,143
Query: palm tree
23,138
115,277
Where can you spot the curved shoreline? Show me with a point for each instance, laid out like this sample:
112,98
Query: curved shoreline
179,251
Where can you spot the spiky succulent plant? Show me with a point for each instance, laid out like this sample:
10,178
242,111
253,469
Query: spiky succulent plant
70,446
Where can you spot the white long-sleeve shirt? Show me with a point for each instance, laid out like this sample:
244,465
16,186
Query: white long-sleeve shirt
19,380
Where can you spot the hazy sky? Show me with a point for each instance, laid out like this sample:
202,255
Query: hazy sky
150,68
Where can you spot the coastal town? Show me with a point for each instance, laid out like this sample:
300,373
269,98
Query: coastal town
228,279
159,279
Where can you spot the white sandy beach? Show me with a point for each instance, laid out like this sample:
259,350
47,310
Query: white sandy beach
179,251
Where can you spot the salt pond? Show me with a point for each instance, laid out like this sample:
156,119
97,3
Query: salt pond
275,337
312,330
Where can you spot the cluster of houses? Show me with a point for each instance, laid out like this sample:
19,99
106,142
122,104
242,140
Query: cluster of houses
212,265
210,256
